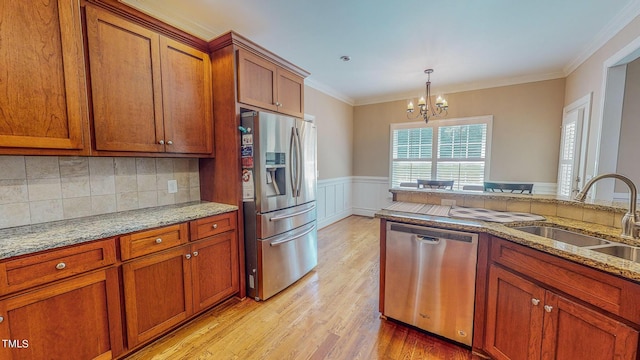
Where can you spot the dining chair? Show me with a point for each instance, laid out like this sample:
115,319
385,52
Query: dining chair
508,187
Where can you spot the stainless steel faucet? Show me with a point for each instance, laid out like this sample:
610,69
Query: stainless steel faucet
630,220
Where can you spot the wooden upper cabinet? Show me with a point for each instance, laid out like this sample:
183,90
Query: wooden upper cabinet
290,93
42,82
149,93
263,84
187,98
124,60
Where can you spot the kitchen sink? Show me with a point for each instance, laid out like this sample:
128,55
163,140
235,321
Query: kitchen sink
564,236
621,251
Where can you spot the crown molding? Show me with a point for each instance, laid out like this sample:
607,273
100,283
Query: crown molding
463,87
624,17
312,83
160,12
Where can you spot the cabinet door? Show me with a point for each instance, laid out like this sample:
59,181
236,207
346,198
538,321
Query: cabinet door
126,84
256,81
187,99
572,331
514,316
43,102
157,293
290,93
215,269
71,319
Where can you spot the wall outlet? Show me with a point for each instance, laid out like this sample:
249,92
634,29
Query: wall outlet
448,202
172,186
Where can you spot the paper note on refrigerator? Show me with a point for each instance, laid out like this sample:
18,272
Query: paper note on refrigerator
247,185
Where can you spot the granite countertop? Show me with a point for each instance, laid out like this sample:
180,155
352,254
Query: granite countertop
33,238
610,264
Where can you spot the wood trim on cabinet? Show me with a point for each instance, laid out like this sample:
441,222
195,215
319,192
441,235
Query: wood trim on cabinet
383,261
482,280
233,38
150,22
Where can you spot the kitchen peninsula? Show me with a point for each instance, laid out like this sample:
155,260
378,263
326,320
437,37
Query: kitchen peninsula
554,289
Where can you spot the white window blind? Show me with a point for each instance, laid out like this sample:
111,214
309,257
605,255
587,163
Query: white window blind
461,146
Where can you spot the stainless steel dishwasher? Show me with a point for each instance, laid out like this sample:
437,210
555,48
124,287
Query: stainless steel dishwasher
430,279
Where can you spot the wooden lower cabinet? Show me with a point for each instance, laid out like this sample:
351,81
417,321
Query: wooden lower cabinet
215,272
527,321
77,318
164,289
157,293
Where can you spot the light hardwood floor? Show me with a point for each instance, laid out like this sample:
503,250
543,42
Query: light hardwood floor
331,313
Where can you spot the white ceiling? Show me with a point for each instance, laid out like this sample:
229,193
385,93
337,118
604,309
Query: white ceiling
470,44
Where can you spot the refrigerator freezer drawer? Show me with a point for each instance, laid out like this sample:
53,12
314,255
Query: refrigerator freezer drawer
286,258
430,279
277,222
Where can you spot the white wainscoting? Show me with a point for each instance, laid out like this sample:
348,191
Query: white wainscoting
365,195
370,194
334,200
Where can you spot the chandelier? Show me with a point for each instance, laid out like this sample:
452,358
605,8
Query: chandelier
427,110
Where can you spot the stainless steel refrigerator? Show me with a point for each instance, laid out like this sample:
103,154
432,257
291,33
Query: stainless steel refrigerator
279,201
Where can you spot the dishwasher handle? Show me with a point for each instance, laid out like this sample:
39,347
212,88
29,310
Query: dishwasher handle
427,240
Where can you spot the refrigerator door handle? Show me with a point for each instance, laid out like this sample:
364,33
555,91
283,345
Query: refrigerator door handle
292,144
276,218
280,242
299,164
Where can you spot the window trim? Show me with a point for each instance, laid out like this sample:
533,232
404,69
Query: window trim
436,124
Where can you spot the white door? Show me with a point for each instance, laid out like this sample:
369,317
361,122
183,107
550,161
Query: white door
571,165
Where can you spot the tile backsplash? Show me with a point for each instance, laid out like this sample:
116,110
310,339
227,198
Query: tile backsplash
36,189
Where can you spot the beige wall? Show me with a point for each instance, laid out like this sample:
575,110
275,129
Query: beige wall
630,128
588,77
526,129
334,121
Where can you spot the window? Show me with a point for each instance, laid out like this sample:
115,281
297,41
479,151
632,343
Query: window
441,150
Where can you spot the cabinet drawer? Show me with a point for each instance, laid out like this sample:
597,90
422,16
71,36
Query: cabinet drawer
604,291
150,241
42,268
212,225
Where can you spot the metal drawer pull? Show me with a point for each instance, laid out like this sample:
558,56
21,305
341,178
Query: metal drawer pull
275,218
61,266
279,242
161,142
169,142
158,240
548,308
535,301
215,226
188,256
195,253
1,319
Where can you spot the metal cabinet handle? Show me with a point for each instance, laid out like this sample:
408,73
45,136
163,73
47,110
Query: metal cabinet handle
188,256
215,226
1,319
169,142
535,301
61,266
548,308
161,142
195,253
277,104
158,240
